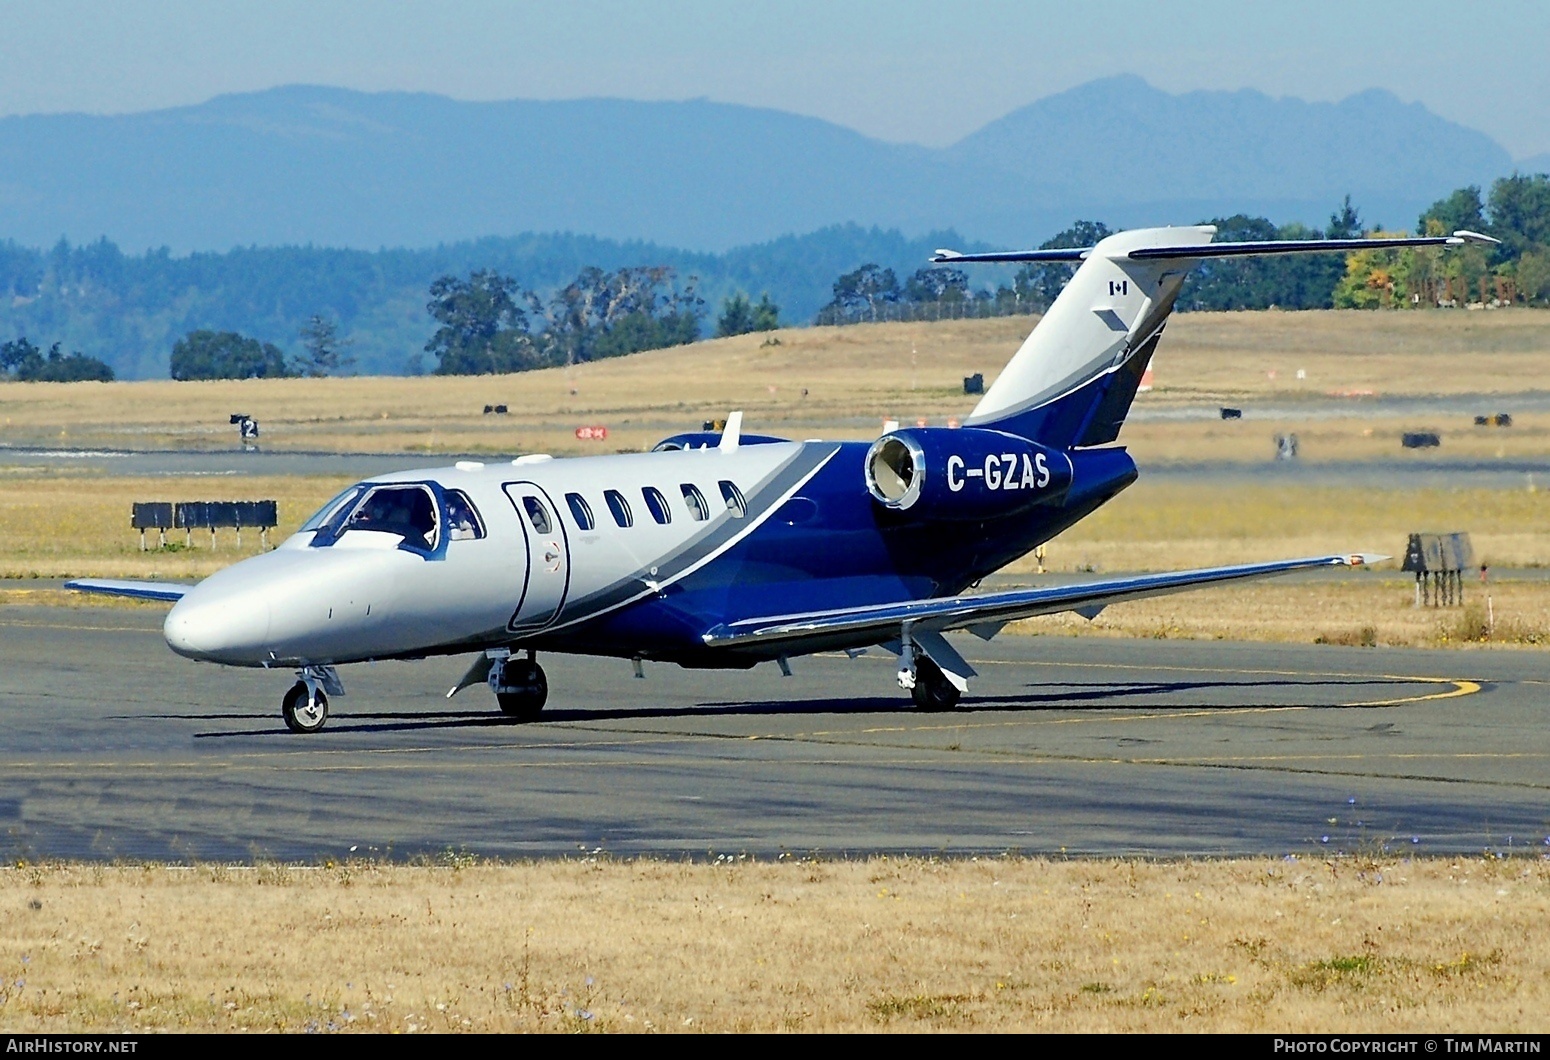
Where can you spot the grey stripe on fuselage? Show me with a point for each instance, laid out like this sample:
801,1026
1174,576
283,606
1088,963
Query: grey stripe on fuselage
724,531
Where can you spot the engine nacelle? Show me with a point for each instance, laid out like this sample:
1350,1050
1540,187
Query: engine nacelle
968,473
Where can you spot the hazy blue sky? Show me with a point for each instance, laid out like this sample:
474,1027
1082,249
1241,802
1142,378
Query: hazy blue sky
908,70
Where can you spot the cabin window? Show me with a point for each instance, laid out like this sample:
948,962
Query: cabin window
538,514
463,523
734,498
407,511
696,502
331,513
580,510
619,507
656,504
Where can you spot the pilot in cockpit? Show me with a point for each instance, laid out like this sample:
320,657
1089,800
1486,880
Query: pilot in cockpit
460,518
403,511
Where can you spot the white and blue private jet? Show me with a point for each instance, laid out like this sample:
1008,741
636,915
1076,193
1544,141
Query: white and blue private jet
728,550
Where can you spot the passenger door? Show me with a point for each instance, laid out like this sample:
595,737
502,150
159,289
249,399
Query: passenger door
548,557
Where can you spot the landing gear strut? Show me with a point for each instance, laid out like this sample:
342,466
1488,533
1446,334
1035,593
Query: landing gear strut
932,690
520,686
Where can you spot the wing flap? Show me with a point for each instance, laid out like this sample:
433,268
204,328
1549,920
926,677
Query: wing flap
168,591
966,612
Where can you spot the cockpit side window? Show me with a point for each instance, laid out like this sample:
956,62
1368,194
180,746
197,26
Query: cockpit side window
537,514
581,510
407,511
463,522
656,504
696,502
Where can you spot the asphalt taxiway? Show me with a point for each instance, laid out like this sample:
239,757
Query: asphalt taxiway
114,748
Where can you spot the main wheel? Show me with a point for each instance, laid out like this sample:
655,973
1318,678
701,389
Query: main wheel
304,713
932,691
524,690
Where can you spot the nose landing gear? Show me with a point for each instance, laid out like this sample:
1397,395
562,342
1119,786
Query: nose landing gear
305,706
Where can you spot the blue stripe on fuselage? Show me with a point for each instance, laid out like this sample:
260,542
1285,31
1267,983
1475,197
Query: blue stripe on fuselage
831,546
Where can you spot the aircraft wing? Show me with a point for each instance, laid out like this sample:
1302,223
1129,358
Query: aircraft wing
985,614
136,590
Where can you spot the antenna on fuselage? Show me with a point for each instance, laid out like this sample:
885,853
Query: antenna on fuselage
731,432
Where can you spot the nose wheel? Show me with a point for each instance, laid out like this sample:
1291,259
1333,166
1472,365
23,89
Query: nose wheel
521,689
305,708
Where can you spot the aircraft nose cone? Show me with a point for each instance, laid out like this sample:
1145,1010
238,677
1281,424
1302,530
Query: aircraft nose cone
219,627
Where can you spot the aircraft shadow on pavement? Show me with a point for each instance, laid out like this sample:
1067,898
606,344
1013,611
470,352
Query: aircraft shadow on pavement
1048,695
1057,695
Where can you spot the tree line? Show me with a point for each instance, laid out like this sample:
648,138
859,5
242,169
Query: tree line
489,324
1516,211
129,310
206,354
22,362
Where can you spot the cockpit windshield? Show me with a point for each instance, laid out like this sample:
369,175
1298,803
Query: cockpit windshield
334,511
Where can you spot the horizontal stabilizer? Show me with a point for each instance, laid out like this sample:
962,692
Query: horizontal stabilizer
1223,250
952,257
168,591
884,621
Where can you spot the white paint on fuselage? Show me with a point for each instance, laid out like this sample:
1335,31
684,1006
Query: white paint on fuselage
364,597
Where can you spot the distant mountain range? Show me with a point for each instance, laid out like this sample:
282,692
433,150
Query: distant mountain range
332,167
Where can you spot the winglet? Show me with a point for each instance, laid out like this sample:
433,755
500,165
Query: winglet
1464,235
731,433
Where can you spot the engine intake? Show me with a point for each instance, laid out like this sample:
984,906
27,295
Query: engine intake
942,473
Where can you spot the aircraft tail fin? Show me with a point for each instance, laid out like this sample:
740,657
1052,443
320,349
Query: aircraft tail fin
1072,381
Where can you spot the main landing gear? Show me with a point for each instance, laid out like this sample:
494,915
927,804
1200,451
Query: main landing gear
520,687
929,687
932,691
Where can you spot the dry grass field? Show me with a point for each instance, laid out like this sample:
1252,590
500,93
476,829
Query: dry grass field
1347,944
76,524
843,382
